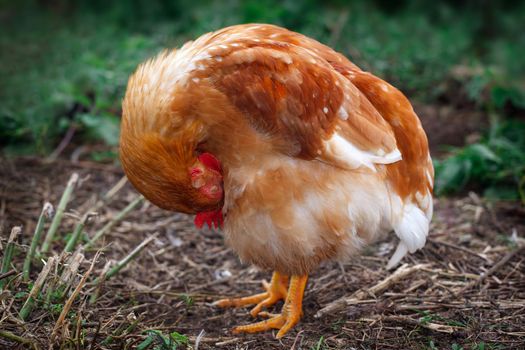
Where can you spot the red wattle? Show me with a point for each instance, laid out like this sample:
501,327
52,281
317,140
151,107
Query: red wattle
211,218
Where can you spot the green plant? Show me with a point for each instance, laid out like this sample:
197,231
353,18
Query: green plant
9,252
187,299
68,73
319,345
57,219
47,212
496,164
163,342
478,346
431,345
428,317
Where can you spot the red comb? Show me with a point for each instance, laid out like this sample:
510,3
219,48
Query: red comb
211,218
208,160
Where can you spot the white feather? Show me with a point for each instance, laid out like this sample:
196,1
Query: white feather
344,151
412,231
400,252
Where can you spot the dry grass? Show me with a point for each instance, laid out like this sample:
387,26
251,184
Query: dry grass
468,286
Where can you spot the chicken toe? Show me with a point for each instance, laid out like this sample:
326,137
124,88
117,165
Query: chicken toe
275,291
290,314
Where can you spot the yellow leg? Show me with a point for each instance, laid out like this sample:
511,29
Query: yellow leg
275,291
290,314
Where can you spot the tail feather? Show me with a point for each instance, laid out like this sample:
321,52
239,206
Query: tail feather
412,231
400,252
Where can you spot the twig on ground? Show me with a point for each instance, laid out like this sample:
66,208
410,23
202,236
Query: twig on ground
78,329
71,299
18,339
428,325
493,269
463,249
227,342
7,274
341,303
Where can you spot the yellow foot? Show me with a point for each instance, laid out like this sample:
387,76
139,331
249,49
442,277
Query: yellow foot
275,291
290,314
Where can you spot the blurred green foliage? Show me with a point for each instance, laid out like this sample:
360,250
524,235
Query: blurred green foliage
65,63
495,164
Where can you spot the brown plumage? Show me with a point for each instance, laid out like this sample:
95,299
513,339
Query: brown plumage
317,158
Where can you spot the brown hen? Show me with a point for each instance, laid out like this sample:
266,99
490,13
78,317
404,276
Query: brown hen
297,153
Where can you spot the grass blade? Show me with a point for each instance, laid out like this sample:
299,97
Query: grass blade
109,194
9,251
122,263
33,294
73,240
60,212
134,321
47,211
115,220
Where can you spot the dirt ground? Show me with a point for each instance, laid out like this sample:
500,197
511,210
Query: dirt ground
469,292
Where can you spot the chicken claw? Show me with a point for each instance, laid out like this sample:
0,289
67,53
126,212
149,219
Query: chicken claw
275,291
290,314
